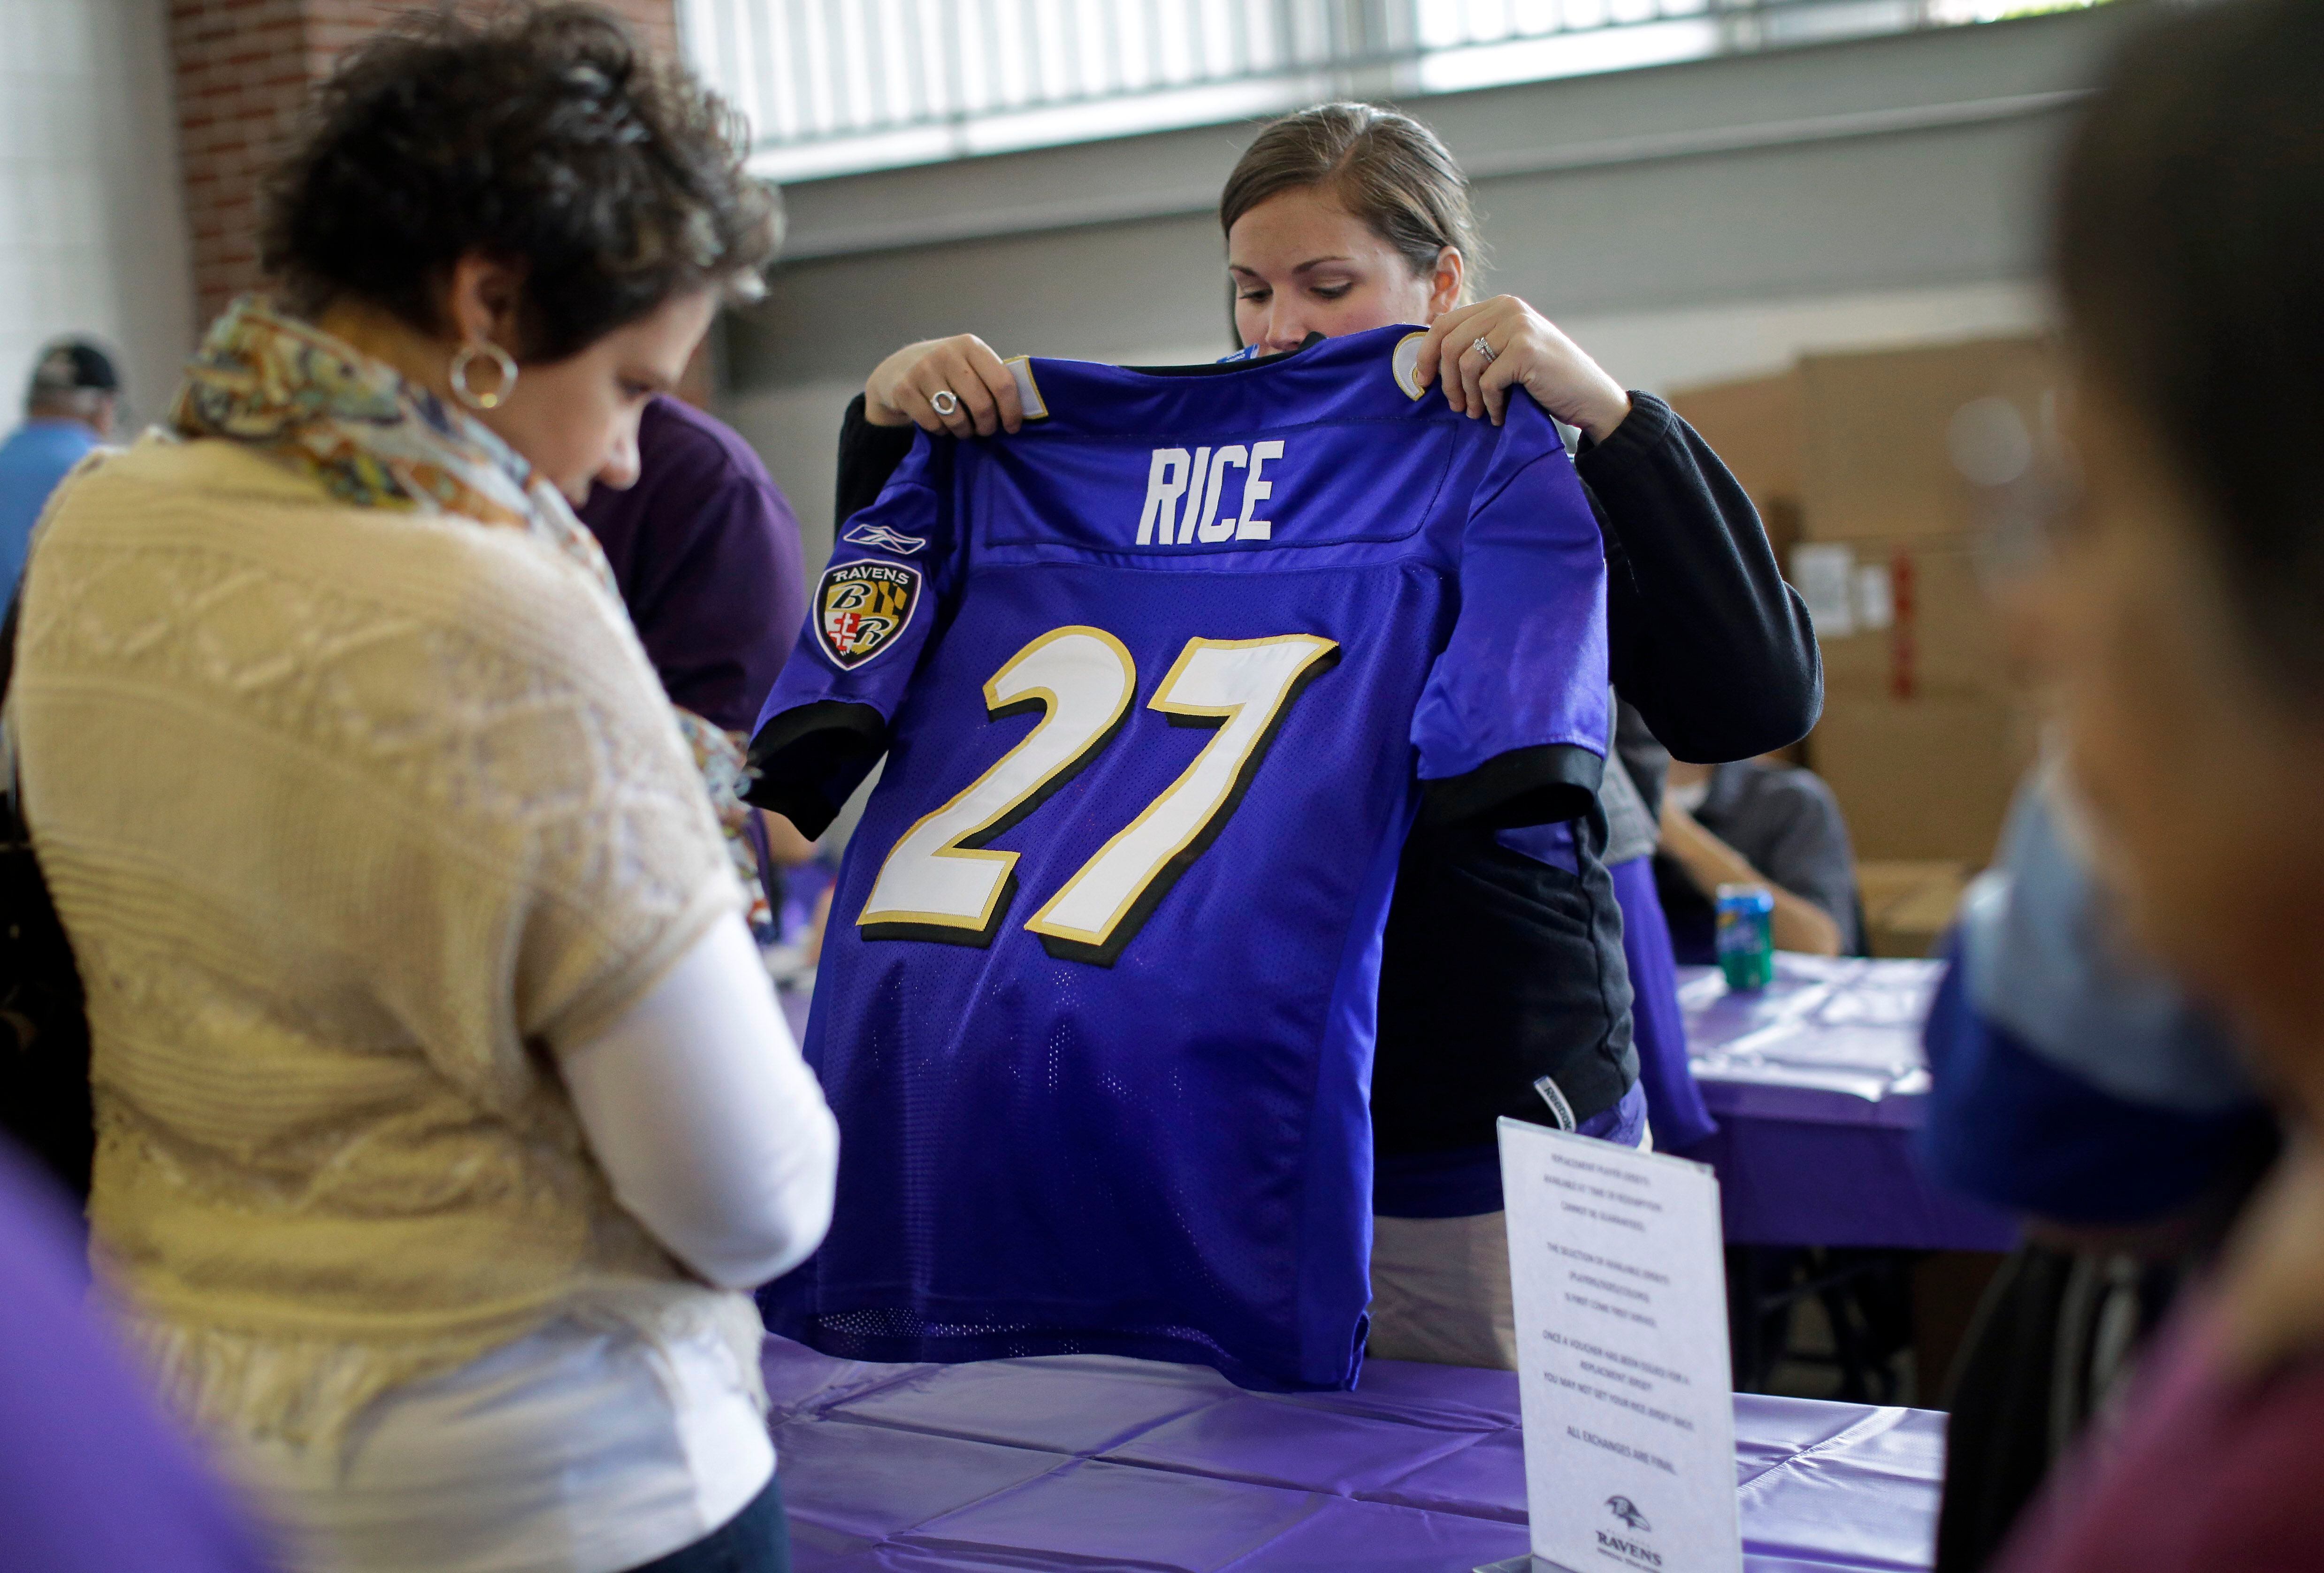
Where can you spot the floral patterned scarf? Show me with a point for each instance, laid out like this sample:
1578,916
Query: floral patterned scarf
372,439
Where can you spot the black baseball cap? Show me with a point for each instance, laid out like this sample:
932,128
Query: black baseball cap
71,365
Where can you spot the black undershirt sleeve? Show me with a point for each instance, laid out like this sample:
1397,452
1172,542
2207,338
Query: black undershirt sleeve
807,761
1709,644
867,456
1536,785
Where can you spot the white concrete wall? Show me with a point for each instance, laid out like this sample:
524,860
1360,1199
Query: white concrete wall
1686,224
92,226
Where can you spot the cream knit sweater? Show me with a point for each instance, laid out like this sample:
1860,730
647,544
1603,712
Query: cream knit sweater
348,814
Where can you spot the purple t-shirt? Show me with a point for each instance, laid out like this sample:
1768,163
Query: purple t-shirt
91,1479
2204,1469
707,552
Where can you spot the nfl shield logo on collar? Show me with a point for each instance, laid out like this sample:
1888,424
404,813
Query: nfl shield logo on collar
861,608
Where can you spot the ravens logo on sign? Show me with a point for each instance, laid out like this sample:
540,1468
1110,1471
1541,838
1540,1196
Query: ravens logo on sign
861,609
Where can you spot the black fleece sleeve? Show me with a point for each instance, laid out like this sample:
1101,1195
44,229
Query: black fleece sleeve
1709,644
867,456
806,762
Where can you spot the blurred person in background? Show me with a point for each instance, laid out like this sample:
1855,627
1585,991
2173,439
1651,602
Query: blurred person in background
704,549
2077,1087
443,1103
2181,608
69,413
1504,986
1630,799
1756,822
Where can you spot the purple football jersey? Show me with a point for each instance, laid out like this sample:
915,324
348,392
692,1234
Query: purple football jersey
1161,680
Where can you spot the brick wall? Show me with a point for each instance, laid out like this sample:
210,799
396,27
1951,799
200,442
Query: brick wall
244,69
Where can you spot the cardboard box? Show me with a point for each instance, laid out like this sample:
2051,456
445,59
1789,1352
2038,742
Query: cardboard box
1871,443
1941,639
1867,458
1754,426
1908,904
1928,779
1888,436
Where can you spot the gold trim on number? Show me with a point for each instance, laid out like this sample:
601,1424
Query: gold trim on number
998,709
1161,701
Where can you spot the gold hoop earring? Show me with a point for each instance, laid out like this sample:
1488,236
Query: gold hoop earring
503,366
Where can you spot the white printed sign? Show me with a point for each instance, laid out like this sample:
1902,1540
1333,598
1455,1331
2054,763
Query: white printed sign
1824,573
1623,1376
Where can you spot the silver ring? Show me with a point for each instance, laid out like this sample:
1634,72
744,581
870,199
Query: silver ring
1484,350
944,402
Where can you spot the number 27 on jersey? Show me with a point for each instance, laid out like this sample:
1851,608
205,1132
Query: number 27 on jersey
942,880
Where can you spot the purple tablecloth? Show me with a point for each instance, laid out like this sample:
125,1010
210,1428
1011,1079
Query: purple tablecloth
1817,1083
1091,1462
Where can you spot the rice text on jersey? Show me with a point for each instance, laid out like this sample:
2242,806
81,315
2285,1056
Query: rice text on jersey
1200,478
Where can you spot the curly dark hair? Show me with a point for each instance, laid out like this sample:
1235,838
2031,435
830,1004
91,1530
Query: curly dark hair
545,137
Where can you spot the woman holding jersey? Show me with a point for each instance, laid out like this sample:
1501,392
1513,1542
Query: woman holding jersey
1505,987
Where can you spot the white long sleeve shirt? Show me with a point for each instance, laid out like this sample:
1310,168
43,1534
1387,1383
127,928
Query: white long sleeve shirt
590,1446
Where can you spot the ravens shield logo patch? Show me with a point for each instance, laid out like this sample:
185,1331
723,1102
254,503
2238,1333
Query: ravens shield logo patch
861,608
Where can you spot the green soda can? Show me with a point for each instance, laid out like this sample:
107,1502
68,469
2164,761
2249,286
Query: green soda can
1746,936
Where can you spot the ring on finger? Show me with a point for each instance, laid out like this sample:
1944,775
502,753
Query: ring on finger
944,402
1485,351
